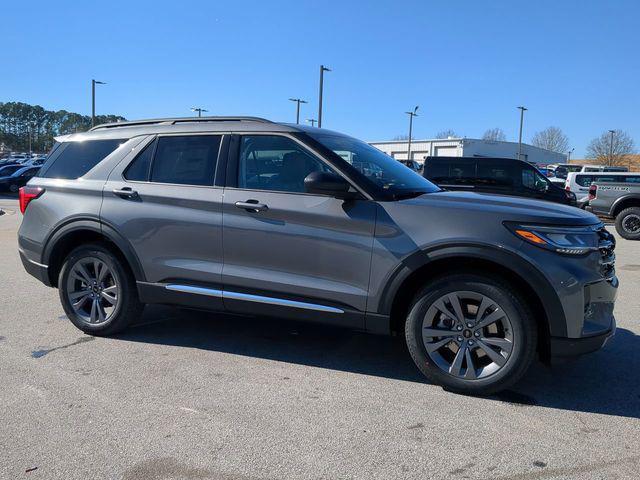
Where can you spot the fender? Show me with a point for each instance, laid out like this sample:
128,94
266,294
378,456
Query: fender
618,201
511,261
95,225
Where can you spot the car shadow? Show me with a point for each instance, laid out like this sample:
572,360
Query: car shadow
604,382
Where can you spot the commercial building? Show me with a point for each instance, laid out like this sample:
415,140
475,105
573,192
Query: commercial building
467,147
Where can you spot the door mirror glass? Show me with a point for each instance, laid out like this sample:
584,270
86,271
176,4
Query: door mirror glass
326,183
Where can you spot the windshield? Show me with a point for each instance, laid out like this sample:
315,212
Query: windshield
376,166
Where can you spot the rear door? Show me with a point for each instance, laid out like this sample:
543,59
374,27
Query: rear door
162,199
286,252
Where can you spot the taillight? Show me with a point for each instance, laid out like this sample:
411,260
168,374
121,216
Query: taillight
27,194
593,190
567,188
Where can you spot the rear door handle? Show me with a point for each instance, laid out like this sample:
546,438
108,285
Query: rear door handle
252,206
125,192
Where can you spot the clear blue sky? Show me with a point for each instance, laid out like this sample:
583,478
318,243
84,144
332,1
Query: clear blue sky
468,64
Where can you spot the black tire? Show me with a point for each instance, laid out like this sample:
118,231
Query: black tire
522,329
128,307
623,218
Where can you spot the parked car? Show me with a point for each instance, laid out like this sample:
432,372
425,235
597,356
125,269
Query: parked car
579,183
619,199
9,169
602,168
412,164
12,182
563,169
504,176
135,212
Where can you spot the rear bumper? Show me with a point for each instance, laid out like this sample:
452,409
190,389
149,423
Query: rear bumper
573,347
35,269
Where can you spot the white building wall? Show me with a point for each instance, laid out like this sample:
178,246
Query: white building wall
467,147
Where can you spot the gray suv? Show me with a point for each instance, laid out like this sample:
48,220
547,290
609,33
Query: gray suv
244,215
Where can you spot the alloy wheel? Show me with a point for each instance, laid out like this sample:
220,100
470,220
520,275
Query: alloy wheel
467,335
93,290
631,223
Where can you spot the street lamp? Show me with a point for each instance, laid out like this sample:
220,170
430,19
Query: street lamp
312,121
569,155
612,132
93,99
298,102
199,110
412,114
522,110
322,70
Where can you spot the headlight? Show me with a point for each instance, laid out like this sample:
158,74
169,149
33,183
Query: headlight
564,240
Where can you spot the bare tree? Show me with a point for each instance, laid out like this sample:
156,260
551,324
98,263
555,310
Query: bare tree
446,134
401,137
551,138
607,152
494,134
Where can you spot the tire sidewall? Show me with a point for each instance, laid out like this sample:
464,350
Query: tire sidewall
114,265
524,333
619,220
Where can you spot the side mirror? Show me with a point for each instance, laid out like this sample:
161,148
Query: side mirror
326,183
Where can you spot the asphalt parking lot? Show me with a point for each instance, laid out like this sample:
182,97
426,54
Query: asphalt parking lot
188,395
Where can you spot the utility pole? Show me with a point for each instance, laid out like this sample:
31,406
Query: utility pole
93,100
522,110
312,121
569,155
322,70
298,102
412,114
199,110
612,132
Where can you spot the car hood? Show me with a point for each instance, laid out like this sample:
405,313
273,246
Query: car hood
509,208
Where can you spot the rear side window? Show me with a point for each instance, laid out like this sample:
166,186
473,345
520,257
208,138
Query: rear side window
452,172
187,160
584,180
77,158
499,174
138,170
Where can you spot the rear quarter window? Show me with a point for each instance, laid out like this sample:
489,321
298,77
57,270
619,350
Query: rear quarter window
74,159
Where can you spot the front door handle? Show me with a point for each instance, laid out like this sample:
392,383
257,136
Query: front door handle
125,192
252,206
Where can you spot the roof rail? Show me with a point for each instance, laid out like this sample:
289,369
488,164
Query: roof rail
173,121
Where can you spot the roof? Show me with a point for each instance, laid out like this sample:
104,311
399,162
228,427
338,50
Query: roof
187,125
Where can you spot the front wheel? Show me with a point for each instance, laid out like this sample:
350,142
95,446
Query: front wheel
97,291
471,334
628,223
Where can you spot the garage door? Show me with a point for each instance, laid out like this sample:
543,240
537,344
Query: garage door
446,151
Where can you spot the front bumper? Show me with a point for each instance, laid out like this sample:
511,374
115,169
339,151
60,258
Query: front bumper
573,347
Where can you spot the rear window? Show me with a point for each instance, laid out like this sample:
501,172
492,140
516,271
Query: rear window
75,159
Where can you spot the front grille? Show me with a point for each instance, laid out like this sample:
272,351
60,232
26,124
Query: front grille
606,247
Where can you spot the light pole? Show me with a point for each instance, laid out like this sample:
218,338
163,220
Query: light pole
569,155
312,121
93,99
298,102
199,110
412,114
612,132
522,110
322,70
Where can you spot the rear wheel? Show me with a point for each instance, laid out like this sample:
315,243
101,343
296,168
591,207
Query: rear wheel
98,293
471,334
628,223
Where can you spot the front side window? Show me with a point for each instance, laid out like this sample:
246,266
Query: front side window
376,166
186,160
271,162
78,158
584,180
533,180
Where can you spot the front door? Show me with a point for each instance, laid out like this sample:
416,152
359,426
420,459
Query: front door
290,253
165,204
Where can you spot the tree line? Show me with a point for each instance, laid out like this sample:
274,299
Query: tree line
23,125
